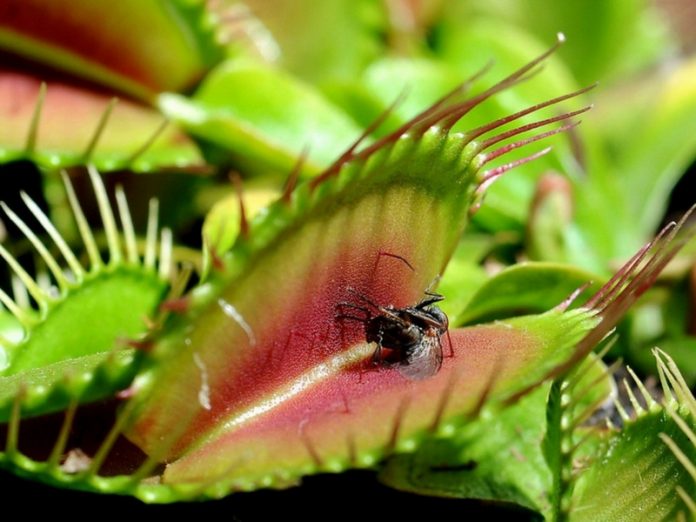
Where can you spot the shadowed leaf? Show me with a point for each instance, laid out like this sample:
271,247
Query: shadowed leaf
135,47
225,110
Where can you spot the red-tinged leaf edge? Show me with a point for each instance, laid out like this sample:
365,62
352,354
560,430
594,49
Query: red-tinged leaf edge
108,133
171,44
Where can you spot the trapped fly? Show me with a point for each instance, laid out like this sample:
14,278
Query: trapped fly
408,338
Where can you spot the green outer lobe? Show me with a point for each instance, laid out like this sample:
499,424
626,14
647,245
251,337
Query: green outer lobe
57,358
52,387
637,477
526,288
496,457
167,47
354,418
108,307
69,119
295,117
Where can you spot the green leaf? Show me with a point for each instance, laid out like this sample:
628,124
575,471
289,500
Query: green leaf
116,300
111,137
109,300
606,40
526,288
169,44
52,386
570,439
295,117
654,156
637,477
650,152
644,130
497,458
324,41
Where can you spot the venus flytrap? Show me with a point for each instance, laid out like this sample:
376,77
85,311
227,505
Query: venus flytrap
253,375
52,362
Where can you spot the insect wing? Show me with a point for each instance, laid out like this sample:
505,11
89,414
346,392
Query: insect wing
425,360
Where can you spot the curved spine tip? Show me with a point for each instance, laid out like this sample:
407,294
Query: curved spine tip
489,176
647,397
82,225
127,226
70,258
151,234
107,215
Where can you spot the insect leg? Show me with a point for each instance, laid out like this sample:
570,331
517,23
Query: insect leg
394,256
449,342
430,300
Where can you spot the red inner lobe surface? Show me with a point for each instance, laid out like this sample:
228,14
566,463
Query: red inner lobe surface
78,29
362,409
301,328
17,92
18,98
